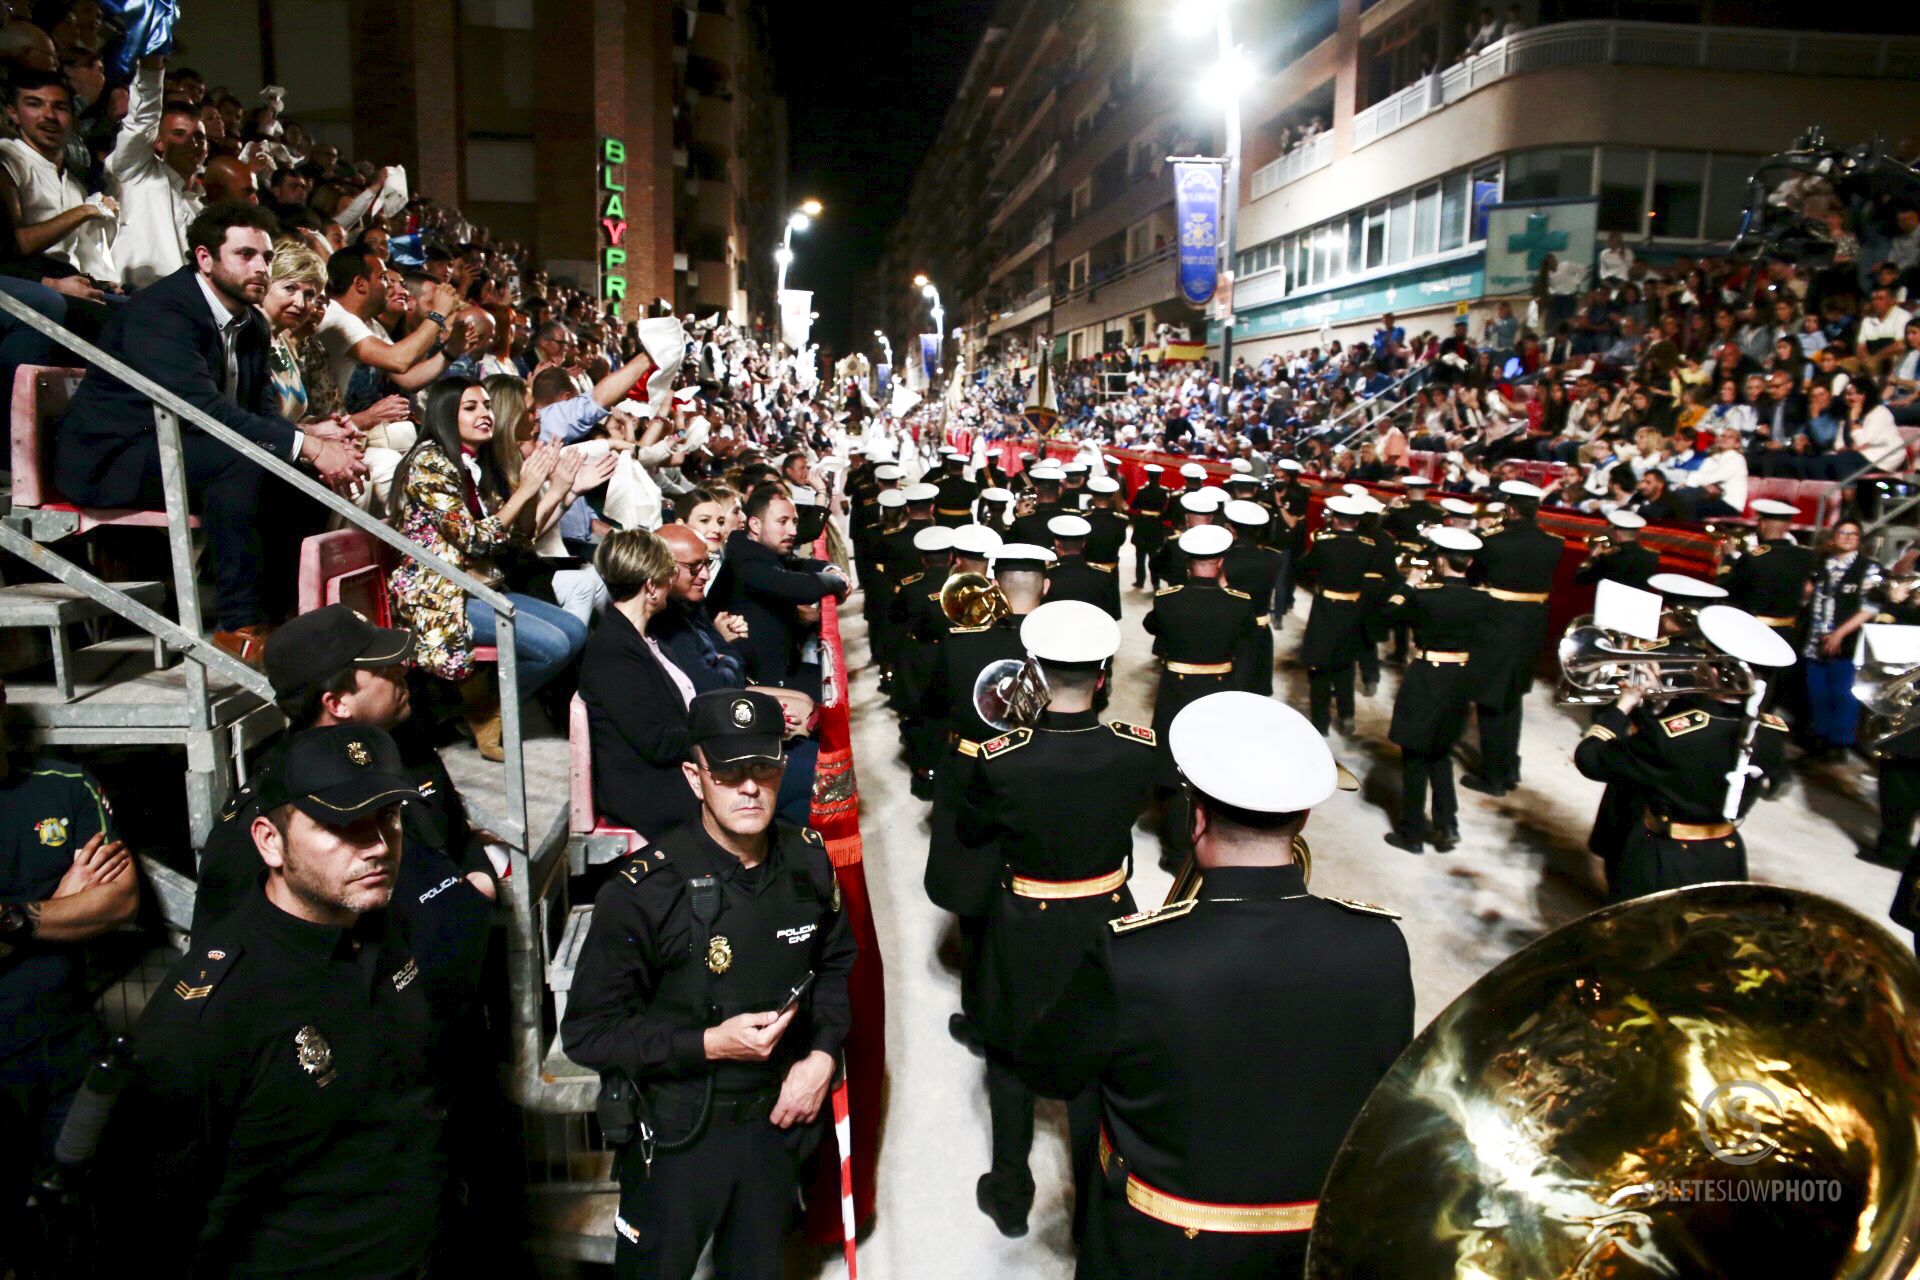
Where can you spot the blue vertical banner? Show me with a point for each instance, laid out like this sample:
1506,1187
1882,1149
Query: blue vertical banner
930,355
1196,195
882,380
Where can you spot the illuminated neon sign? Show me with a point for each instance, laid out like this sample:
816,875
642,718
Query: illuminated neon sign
613,223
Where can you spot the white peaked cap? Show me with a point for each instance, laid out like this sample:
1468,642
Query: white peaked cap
1070,631
1205,540
1252,753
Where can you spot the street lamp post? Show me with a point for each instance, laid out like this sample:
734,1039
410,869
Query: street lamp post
1228,80
799,220
931,293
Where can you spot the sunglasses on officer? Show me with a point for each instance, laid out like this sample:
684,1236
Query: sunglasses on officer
764,772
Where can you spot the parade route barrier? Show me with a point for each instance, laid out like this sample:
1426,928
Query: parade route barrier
836,816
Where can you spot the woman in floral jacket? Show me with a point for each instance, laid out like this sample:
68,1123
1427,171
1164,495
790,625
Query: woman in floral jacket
449,497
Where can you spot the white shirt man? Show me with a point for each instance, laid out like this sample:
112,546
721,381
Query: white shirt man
157,200
45,191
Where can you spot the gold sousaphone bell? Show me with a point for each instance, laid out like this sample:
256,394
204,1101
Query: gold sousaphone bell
1720,1081
972,600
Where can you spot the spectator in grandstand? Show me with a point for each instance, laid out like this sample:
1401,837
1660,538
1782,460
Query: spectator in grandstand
350,329
155,169
49,207
1868,434
439,503
197,334
775,591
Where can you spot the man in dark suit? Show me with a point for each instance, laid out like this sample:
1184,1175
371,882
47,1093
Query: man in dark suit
199,334
778,595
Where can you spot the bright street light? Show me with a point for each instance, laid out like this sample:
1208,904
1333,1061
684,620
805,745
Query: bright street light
1230,78
799,221
811,208
920,282
783,256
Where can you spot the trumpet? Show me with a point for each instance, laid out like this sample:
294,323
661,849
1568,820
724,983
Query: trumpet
971,600
1730,541
1413,555
1599,544
1596,663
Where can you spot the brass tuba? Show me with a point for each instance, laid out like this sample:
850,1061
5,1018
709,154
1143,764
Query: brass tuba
972,600
1716,1081
1011,693
1595,663
1730,541
1891,695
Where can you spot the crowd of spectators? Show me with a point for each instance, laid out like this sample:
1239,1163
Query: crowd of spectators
1697,372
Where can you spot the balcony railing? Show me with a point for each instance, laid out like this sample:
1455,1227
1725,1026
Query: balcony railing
1643,44
1118,272
1315,153
1031,307
1041,171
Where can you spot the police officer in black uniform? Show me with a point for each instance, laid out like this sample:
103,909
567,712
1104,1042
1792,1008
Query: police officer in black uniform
1626,560
1073,486
1772,579
1515,567
954,881
1231,1037
1051,806
1108,524
954,505
1336,565
1148,514
330,666
1253,567
711,995
1201,629
1677,760
287,1111
1430,712
65,878
1073,576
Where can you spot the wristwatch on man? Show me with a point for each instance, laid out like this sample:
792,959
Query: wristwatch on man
16,926
438,319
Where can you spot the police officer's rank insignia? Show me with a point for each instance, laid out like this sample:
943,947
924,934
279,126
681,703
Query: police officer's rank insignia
315,1055
52,831
1684,723
719,953
357,752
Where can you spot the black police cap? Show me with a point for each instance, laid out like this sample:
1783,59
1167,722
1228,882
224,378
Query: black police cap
337,775
734,726
313,648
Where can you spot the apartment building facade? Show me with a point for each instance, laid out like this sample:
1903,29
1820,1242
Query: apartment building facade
637,146
1660,122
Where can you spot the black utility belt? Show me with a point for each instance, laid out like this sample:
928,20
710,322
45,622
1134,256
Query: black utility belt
744,1108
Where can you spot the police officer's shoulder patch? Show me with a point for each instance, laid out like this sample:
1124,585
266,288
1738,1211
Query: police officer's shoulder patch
201,971
633,867
1165,591
912,578
1133,732
1396,599
1760,550
1364,908
1364,538
811,836
1684,723
1773,721
1240,594
1004,743
1153,915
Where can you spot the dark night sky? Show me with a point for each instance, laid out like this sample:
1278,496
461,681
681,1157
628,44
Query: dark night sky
867,85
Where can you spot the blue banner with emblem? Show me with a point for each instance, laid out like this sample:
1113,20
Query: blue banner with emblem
930,354
1196,197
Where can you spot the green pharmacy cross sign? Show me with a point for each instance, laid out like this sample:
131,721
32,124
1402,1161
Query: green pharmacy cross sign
1537,242
613,222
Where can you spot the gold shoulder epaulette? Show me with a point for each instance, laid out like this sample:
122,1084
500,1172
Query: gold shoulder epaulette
1600,732
1396,599
1684,723
1102,568
1004,743
1153,915
214,964
1760,550
1137,732
1364,908
811,836
912,578
1364,538
1230,591
967,631
1166,591
1773,721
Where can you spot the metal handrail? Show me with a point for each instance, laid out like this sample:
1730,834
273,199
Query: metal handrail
1366,401
170,410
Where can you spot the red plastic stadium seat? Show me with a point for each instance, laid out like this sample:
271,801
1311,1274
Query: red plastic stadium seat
581,819
348,567
41,394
